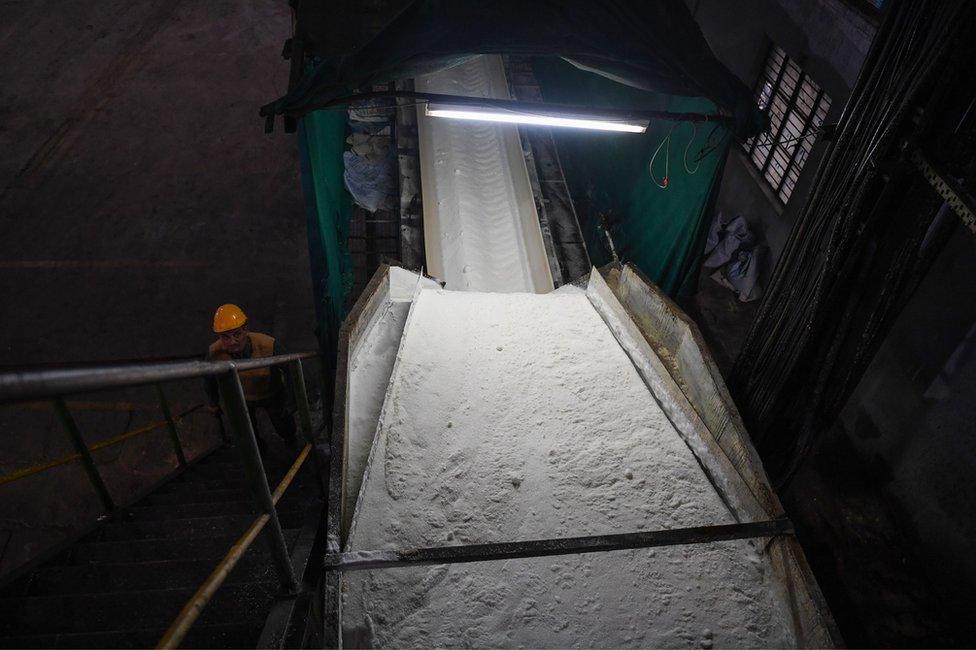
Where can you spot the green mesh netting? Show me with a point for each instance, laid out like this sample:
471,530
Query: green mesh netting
661,231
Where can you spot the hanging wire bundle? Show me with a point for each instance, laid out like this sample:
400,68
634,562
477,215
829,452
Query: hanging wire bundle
707,148
853,251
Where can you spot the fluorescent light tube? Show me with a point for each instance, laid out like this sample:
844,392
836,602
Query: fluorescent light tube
487,114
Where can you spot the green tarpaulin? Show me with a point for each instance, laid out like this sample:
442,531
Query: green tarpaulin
661,231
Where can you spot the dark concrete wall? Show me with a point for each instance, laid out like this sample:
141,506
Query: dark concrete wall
914,414
138,188
138,191
829,39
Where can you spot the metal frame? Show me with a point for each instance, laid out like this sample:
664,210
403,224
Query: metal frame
410,208
561,232
351,326
504,104
25,385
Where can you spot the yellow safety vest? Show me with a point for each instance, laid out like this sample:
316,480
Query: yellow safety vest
257,383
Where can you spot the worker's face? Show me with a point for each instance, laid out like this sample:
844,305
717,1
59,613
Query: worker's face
234,340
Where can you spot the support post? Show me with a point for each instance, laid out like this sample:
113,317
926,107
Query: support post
301,400
79,443
240,422
174,434
320,457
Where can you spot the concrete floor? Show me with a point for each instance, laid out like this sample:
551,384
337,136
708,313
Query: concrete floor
138,191
723,319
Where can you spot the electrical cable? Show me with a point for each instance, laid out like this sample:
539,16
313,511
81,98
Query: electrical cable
684,159
816,131
709,147
663,184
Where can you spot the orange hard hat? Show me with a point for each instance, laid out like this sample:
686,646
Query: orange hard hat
228,317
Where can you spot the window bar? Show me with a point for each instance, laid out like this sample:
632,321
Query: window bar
807,123
790,106
776,84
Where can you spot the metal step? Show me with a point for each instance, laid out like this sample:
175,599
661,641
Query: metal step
190,527
170,502
224,470
149,550
130,610
234,635
191,495
203,484
104,577
193,492
155,512
222,475
124,583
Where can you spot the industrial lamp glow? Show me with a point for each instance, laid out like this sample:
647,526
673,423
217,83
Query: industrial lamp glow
488,114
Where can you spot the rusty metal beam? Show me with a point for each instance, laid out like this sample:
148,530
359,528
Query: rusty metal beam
368,560
512,105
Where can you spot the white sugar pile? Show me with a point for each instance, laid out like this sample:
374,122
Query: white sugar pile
518,416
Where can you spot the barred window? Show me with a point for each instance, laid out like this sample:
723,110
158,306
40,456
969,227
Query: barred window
797,108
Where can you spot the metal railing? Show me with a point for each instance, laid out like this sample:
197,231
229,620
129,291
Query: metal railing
194,607
54,384
171,422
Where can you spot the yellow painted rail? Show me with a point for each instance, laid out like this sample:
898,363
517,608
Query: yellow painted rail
16,475
194,607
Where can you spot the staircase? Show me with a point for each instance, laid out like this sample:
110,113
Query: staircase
123,584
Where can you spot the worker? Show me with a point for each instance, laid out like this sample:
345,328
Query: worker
264,388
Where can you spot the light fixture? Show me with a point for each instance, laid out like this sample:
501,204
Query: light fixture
509,116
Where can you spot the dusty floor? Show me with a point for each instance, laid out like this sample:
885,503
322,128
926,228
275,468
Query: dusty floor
138,191
722,318
855,538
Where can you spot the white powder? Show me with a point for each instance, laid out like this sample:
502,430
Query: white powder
518,416
481,229
369,374
370,364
